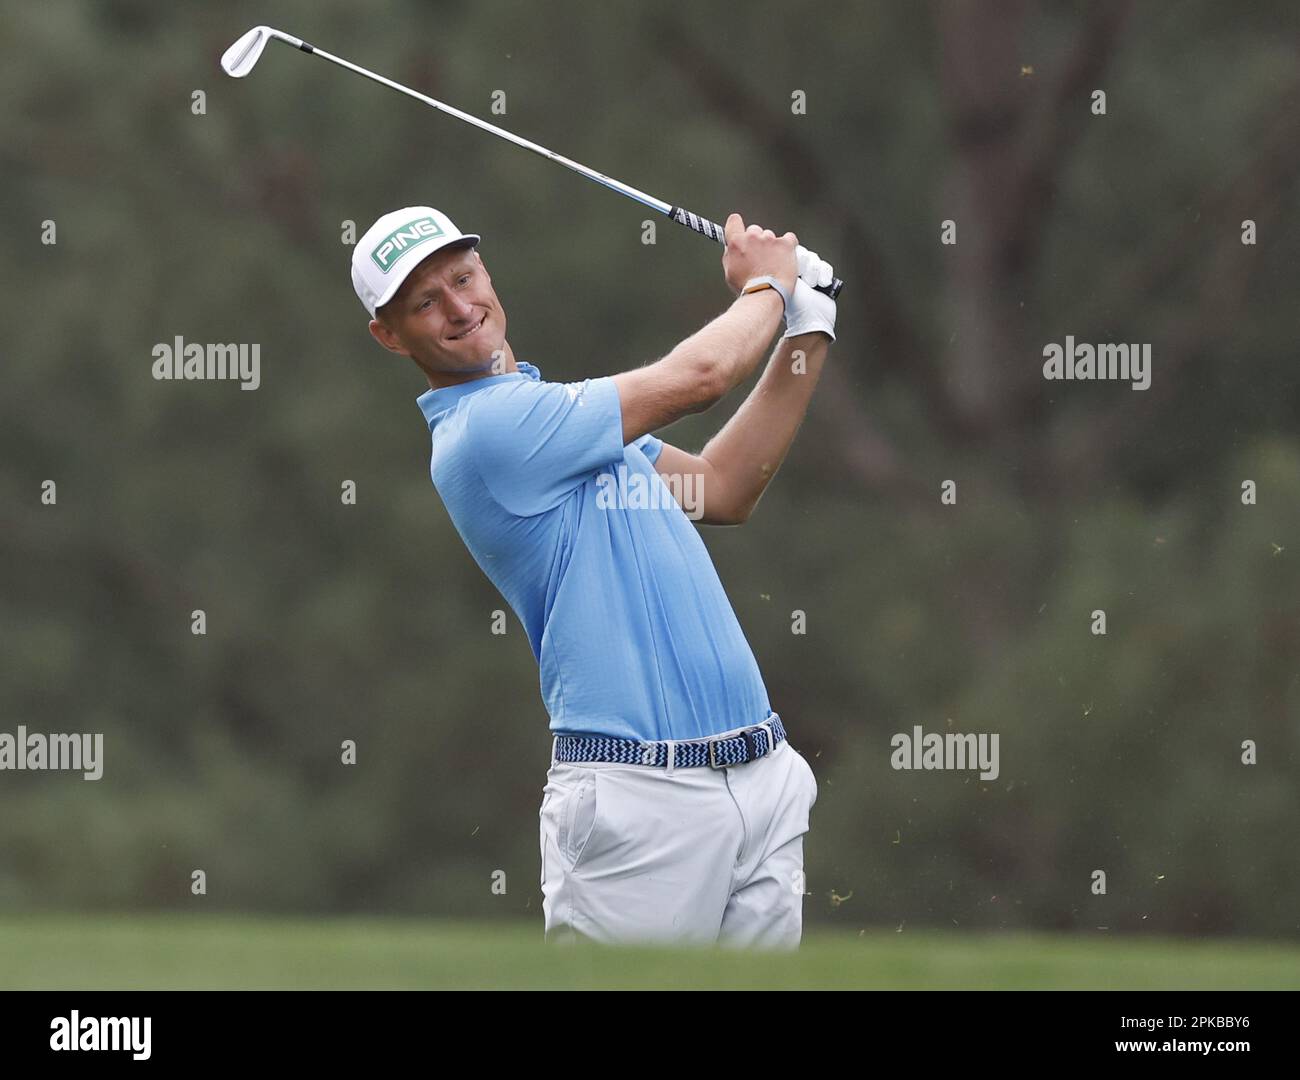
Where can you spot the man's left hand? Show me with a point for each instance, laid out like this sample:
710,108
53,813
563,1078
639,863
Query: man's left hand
810,310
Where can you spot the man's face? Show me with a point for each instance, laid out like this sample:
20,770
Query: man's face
446,316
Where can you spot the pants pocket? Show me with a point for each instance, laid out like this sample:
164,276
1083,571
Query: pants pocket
580,819
812,779
553,817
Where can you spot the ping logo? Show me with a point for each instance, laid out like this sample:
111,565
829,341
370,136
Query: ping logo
393,246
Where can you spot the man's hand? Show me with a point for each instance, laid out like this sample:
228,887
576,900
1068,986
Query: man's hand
813,268
809,311
755,252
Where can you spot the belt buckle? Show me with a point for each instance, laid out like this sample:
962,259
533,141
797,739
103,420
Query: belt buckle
713,760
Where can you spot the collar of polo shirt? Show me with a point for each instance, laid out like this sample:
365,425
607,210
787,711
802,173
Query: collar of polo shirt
434,403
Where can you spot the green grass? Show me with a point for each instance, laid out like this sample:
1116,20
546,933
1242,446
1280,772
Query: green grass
230,952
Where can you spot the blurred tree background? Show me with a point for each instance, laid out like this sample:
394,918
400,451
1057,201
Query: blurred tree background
371,622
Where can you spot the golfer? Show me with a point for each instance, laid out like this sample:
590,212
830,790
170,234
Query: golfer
675,807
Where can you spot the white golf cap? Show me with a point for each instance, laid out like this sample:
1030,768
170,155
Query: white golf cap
395,245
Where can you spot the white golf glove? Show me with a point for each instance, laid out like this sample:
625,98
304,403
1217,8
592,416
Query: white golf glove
810,310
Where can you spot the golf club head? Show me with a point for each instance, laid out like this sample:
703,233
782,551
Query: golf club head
238,60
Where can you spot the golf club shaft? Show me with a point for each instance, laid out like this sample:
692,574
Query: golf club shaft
678,214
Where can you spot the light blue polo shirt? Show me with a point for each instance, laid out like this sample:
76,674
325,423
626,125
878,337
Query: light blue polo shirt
632,631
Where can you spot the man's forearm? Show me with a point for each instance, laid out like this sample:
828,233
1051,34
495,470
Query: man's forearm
730,347
702,370
749,449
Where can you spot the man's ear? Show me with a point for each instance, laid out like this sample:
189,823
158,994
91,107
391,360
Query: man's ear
383,333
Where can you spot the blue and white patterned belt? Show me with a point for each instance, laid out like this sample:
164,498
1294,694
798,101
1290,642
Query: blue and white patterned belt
717,752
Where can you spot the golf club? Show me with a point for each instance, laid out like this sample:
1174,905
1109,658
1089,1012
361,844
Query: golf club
238,60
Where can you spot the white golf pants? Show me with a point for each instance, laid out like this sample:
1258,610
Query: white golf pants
636,854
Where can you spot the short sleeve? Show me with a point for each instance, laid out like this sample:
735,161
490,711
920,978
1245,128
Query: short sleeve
650,446
534,441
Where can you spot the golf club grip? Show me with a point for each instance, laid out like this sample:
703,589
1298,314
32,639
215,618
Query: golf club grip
714,232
